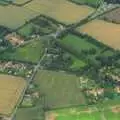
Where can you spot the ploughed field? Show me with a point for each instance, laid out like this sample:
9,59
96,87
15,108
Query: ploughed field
11,89
113,16
60,89
61,10
105,32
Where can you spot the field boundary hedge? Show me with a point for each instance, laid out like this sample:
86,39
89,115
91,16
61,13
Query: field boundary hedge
83,3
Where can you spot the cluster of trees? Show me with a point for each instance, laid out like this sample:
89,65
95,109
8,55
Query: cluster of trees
112,1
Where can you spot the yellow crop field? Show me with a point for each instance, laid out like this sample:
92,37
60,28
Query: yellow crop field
61,10
13,16
11,89
108,33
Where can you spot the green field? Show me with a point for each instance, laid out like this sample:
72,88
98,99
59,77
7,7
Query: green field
108,112
76,44
13,17
108,53
77,115
77,63
30,52
34,113
39,25
59,88
88,2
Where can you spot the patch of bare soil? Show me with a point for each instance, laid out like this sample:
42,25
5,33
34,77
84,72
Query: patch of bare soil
116,109
50,116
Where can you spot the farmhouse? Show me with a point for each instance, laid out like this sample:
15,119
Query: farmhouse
11,93
14,39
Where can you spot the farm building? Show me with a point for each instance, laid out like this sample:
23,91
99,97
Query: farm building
14,39
11,93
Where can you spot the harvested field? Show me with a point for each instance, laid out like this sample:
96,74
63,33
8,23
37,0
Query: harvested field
13,17
113,16
107,33
11,89
56,88
61,10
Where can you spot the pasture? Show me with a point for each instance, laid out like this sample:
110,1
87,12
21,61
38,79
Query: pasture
60,10
78,114
13,17
77,63
30,52
60,89
30,113
107,33
109,110
75,44
11,89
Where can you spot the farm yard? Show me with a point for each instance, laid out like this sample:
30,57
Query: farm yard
62,11
60,89
11,89
30,52
107,33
